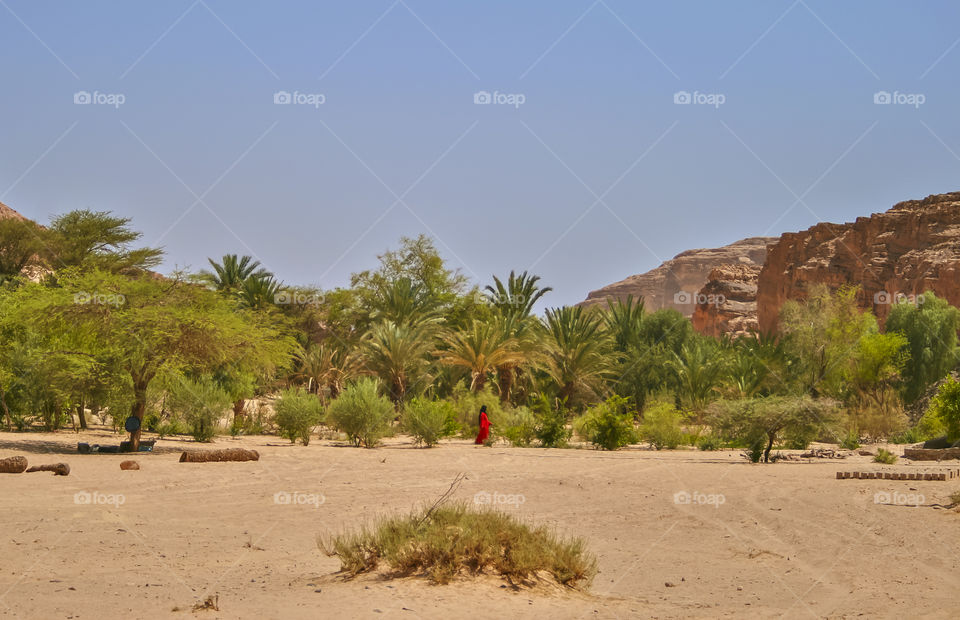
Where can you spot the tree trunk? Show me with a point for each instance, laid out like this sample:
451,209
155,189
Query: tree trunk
504,382
6,412
81,416
138,409
238,411
766,452
479,380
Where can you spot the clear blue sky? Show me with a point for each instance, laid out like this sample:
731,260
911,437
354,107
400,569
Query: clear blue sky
205,162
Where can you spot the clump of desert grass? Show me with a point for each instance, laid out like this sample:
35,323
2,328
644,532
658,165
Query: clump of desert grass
454,539
885,456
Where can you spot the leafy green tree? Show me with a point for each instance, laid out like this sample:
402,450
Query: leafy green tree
931,329
98,240
22,243
200,402
945,406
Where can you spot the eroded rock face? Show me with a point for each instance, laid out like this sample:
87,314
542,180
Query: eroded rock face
8,213
675,283
912,248
727,303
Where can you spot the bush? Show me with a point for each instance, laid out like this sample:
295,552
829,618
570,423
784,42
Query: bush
362,413
200,403
609,425
662,426
851,441
429,420
930,426
945,406
518,426
297,413
710,442
885,456
757,423
421,543
550,423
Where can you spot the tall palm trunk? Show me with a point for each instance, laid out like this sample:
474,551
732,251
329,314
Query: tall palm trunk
505,382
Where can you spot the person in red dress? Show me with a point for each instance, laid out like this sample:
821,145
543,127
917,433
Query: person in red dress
484,426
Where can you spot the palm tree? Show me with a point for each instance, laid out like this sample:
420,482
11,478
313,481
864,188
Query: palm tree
259,291
398,355
698,369
519,295
232,272
404,302
576,351
484,347
327,368
623,319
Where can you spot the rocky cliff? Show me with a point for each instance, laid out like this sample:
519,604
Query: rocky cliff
8,213
912,248
676,282
727,303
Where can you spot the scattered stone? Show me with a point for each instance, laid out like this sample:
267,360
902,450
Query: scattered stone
129,465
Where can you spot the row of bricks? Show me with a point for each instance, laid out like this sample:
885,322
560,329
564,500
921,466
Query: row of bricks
887,475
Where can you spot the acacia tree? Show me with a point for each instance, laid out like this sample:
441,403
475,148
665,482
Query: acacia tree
144,326
930,328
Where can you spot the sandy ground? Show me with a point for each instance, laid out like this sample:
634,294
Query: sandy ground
781,540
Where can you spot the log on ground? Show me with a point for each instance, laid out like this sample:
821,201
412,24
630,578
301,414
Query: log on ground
13,465
219,456
58,469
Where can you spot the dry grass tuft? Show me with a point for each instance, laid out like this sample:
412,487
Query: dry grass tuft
445,541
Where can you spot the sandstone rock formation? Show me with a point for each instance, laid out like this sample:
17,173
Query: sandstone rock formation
727,304
8,213
912,248
675,283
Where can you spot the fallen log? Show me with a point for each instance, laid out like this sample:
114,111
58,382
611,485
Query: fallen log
58,469
219,456
13,465
128,465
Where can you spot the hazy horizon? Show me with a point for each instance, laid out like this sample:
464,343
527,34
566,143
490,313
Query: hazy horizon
583,141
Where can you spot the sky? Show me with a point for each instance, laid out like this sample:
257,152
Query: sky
584,141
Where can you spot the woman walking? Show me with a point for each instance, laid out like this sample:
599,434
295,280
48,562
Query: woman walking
484,426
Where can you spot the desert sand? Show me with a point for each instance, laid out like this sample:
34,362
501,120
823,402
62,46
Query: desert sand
781,540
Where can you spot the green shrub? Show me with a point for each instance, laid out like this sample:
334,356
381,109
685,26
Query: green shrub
429,420
851,441
200,403
517,425
710,442
551,423
362,413
609,425
297,412
885,456
946,408
662,426
758,423
421,543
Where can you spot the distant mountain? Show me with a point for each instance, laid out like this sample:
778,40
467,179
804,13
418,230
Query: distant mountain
8,213
676,283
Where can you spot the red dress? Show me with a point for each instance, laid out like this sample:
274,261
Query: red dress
484,429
